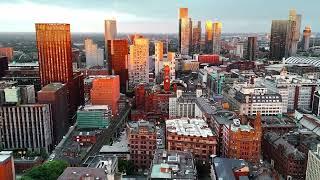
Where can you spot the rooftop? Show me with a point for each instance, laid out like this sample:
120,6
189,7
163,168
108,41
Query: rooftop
189,127
205,105
94,107
135,126
224,117
173,165
225,167
118,146
52,87
83,172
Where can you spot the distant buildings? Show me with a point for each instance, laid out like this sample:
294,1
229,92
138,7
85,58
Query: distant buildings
110,33
252,48
106,91
26,127
94,116
241,140
217,29
173,165
8,52
313,168
198,138
118,58
7,169
142,141
196,37
208,37
306,38
158,50
185,31
3,65
94,55
139,62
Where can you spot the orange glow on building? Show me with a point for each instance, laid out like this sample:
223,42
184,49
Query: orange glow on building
54,53
209,30
242,141
183,13
171,56
158,50
217,28
106,91
7,171
166,81
7,51
118,56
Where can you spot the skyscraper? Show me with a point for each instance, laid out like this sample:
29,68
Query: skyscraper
295,30
252,48
158,50
217,28
94,55
139,61
54,53
281,39
185,31
118,56
306,38
110,33
208,37
196,37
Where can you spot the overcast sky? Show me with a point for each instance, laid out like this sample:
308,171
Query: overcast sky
153,16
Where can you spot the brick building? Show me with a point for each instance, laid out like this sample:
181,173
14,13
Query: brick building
191,134
7,171
106,91
7,51
142,140
241,140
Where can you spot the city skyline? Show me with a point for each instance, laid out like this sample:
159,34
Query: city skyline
151,18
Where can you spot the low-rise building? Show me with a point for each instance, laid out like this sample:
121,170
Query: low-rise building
193,135
7,170
229,169
94,116
173,165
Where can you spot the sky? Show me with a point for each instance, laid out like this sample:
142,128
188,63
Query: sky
153,16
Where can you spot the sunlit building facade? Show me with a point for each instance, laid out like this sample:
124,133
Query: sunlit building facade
139,62
196,37
158,51
94,55
295,30
208,37
7,51
306,38
110,33
185,31
217,29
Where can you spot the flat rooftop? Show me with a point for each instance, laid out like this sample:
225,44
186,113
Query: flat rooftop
189,127
224,167
118,146
83,172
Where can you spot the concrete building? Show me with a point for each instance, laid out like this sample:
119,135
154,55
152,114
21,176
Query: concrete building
7,169
252,48
172,165
142,141
26,126
193,135
185,31
306,38
313,167
94,55
296,28
217,29
110,33
139,62
56,95
158,50
242,140
196,37
94,116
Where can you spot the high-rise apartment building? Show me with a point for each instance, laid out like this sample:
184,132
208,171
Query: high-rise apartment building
185,31
252,48
306,38
110,33
54,52
313,167
106,91
94,55
139,62
158,50
7,51
208,37
281,39
217,30
118,58
196,37
26,127
56,94
296,27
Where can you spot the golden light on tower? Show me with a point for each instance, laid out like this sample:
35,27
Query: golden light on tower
209,30
183,13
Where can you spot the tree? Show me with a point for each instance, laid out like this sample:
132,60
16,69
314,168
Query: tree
48,171
125,166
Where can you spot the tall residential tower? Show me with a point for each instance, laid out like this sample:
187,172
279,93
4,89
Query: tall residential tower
185,31
217,28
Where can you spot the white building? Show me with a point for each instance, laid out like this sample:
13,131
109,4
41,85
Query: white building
94,55
313,165
139,62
